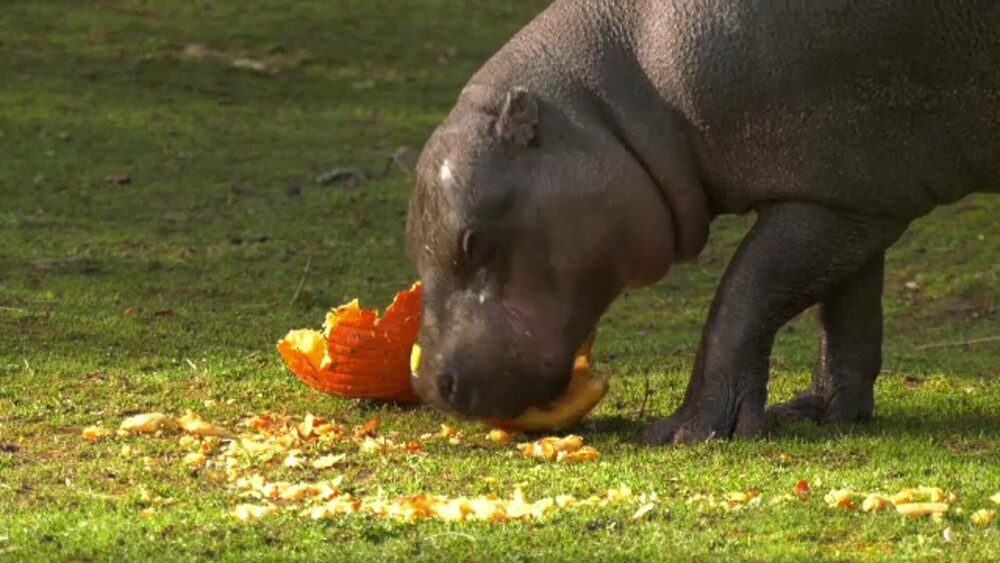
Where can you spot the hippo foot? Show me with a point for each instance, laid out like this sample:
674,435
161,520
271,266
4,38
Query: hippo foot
685,427
805,406
820,408
663,431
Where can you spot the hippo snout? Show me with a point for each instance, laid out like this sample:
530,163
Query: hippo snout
460,388
482,369
478,383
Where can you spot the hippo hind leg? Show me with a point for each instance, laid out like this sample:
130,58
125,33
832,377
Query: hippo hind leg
850,352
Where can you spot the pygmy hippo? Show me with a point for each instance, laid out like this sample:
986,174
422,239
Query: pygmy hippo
592,151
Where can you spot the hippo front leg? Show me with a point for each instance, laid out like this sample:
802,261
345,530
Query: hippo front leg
850,352
794,255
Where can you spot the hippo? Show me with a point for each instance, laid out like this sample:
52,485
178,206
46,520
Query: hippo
594,149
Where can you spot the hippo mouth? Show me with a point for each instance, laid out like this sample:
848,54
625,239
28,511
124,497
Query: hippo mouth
583,392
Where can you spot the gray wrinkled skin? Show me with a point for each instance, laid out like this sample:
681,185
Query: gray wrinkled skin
593,150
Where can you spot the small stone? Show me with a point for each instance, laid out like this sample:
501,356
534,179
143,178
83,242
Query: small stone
350,177
118,179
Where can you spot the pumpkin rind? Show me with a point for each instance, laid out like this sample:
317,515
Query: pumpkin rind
359,355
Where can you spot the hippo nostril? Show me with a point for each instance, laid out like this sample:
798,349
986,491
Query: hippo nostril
446,386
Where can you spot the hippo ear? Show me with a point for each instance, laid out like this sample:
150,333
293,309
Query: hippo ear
517,121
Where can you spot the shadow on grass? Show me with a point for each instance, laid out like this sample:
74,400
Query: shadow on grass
629,429
942,425
974,426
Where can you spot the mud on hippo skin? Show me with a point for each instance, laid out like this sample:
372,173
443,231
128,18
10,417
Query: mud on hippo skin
592,151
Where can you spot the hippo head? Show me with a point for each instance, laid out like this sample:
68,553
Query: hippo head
525,223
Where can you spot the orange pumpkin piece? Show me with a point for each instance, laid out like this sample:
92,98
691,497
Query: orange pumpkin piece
359,355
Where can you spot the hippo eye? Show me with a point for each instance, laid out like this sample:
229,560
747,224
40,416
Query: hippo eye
476,250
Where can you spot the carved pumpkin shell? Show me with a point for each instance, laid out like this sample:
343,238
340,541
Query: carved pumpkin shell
359,355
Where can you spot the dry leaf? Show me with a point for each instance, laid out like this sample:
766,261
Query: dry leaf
802,489
643,511
118,179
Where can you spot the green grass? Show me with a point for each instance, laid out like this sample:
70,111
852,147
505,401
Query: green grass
172,289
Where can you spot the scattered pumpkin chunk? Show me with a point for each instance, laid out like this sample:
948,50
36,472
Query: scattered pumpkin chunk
250,512
359,355
328,461
841,498
94,433
875,503
918,509
498,436
147,423
983,516
566,450
195,459
904,496
193,424
910,502
935,494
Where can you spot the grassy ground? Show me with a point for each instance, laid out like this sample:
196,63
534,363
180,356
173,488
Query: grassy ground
171,289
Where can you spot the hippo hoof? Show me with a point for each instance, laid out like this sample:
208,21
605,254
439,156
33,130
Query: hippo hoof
680,429
662,431
692,433
821,409
805,406
683,427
